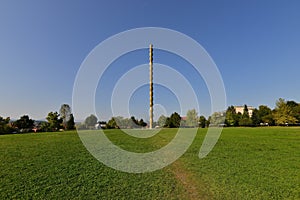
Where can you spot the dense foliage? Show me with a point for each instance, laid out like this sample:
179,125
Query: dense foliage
55,122
286,113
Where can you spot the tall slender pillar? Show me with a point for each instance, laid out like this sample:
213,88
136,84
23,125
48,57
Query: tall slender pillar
151,85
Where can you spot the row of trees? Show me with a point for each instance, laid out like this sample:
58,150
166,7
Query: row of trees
91,122
173,121
176,121
121,122
285,113
5,125
64,120
170,122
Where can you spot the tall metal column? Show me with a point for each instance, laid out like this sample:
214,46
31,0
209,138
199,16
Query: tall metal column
151,84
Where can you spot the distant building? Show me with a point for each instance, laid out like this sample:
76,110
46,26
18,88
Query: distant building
100,124
240,109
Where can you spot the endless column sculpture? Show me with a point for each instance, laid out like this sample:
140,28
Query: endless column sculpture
151,84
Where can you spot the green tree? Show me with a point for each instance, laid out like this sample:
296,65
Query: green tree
295,107
283,113
231,118
65,114
70,123
256,119
217,118
268,119
4,126
122,122
192,118
162,121
112,123
24,124
173,121
246,112
266,115
168,123
202,121
45,126
297,111
135,122
245,120
264,111
142,123
90,121
54,121
208,121
291,104
262,115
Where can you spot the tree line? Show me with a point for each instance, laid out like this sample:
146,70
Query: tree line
173,121
285,113
64,120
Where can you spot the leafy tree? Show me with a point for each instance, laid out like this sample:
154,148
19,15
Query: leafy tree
295,107
217,118
112,123
65,114
262,115
291,104
208,121
162,121
54,121
264,111
142,123
24,124
202,121
173,121
245,114
231,118
245,120
256,119
70,123
269,119
122,122
4,126
297,113
283,113
192,118
45,126
4,121
266,115
126,122
168,122
90,121
135,122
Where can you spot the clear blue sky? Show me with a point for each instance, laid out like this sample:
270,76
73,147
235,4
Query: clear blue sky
255,44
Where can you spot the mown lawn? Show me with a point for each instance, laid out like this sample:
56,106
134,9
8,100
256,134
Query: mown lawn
246,163
250,163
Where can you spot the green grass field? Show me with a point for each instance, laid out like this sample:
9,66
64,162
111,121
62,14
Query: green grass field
246,163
